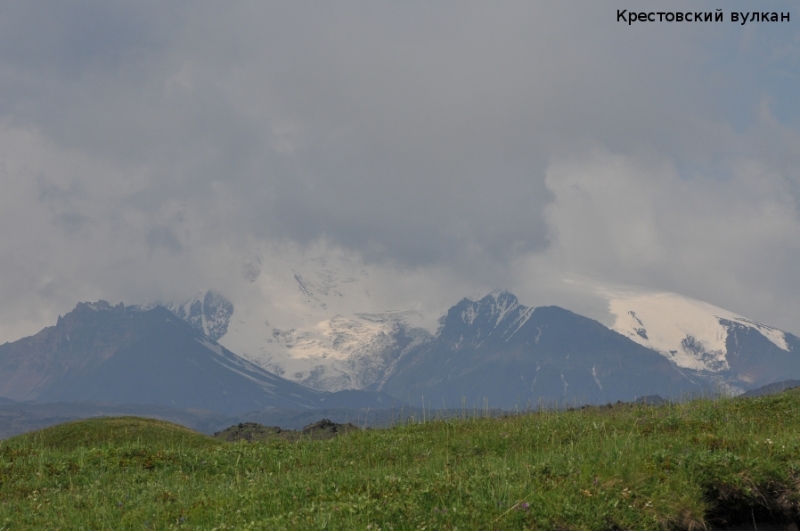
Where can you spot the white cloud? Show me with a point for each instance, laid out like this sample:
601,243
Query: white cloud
625,219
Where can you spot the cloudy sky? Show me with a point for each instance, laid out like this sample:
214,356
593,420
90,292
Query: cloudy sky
149,150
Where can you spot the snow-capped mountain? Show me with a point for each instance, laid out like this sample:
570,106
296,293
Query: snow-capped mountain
498,350
318,323
311,322
698,336
348,352
691,333
498,315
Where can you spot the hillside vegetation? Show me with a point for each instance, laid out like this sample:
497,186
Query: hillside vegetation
696,465
111,432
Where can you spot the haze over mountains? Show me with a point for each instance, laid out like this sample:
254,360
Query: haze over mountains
322,340
493,351
317,322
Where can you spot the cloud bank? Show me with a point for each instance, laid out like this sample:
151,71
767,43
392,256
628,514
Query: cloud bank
150,150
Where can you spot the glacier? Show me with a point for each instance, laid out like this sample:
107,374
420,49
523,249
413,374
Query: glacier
691,333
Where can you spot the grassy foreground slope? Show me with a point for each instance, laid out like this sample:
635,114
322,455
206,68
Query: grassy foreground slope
685,466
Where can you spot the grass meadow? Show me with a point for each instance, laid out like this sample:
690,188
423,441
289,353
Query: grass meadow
696,465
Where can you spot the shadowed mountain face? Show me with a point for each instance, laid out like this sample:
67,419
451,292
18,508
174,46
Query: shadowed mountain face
755,361
122,355
514,356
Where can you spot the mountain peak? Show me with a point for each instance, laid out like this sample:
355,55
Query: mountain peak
471,322
498,350
90,311
98,306
499,302
691,333
500,293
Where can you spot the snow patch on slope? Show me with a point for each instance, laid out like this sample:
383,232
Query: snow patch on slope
469,315
687,331
208,312
313,321
517,324
503,302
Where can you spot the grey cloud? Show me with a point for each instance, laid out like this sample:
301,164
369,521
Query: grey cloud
70,37
72,223
163,238
635,220
412,135
50,191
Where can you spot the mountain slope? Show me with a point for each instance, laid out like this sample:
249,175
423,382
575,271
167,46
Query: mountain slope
755,360
314,322
318,337
514,356
129,355
705,339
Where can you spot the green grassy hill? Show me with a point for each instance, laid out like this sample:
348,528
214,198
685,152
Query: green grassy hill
690,466
107,432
